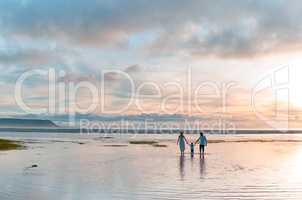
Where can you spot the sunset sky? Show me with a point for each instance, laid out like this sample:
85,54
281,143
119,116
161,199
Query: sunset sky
241,50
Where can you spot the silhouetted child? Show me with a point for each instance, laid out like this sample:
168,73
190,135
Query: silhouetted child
192,148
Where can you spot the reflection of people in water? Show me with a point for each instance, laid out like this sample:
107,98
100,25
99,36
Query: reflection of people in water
182,166
181,141
201,166
202,140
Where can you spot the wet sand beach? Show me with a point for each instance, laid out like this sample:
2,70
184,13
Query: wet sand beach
89,167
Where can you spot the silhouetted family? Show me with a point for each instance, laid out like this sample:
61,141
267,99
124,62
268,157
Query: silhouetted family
182,141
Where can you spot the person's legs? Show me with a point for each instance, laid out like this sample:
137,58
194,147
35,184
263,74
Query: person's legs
182,149
200,147
181,146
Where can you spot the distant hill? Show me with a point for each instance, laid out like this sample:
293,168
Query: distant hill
26,123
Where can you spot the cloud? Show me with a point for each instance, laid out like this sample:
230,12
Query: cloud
84,37
133,69
77,78
224,28
26,57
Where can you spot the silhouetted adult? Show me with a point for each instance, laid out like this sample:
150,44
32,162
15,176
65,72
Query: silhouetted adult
202,140
181,141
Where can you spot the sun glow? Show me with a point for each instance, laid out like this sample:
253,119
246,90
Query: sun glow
295,86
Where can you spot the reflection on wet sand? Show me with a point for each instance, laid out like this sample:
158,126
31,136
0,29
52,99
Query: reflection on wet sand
199,159
202,166
192,161
182,166
66,170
